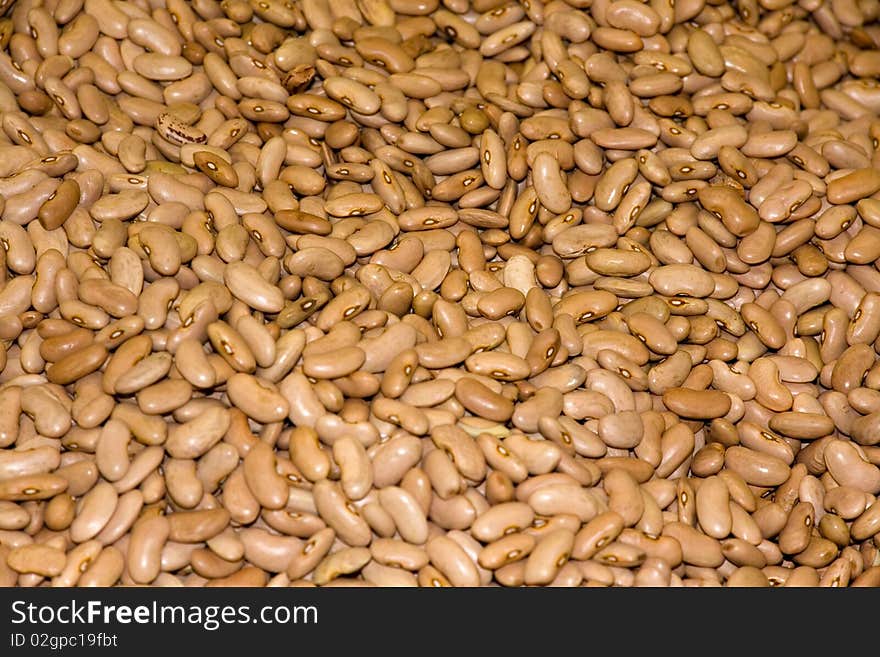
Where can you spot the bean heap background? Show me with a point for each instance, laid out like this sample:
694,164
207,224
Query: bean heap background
396,292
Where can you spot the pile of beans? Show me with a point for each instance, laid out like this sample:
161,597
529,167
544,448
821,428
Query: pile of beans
401,292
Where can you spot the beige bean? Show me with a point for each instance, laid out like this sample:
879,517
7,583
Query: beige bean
756,468
340,514
702,404
245,283
452,561
37,559
148,537
259,399
408,516
548,557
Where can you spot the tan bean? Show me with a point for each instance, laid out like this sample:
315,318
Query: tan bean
340,514
701,404
148,537
452,561
37,559
756,468
408,517
697,549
